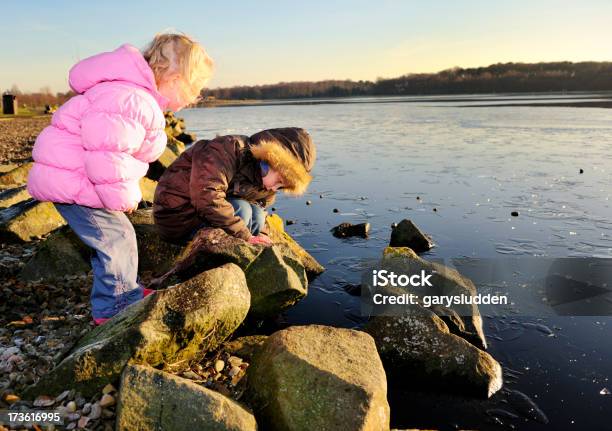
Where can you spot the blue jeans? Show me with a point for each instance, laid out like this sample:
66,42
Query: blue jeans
253,215
115,260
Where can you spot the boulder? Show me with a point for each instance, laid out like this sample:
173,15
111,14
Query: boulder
274,284
175,325
345,230
321,378
150,399
419,349
463,319
277,233
63,253
29,220
16,177
407,234
13,196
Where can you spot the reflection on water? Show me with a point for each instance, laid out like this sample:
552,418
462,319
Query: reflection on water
382,162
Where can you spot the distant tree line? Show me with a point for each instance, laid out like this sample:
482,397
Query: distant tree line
496,78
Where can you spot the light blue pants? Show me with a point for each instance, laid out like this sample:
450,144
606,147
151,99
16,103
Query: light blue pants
115,259
253,215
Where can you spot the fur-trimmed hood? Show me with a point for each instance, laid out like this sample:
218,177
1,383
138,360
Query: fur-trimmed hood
289,151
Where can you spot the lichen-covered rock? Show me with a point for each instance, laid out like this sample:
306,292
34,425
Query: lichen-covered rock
463,319
63,253
29,220
319,378
177,324
16,177
13,196
147,188
274,285
151,400
284,241
418,348
407,234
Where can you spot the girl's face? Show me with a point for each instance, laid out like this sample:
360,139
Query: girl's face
178,92
272,180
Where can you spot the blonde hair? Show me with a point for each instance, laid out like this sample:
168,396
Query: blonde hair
178,53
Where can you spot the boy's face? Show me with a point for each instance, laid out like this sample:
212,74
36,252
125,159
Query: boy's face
272,180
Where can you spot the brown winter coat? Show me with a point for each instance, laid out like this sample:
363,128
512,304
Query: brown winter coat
193,190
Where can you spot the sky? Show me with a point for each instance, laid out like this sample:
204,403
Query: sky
265,41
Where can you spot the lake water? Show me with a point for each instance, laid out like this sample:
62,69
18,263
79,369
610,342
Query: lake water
381,160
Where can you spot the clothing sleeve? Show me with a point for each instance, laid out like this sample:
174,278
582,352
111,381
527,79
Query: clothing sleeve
119,142
213,167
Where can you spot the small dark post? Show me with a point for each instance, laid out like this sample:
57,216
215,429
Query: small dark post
9,104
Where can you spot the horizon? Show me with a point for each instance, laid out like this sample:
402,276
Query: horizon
272,42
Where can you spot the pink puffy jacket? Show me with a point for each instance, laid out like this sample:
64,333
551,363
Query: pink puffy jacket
100,143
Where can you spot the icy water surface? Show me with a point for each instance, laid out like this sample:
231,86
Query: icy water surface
458,172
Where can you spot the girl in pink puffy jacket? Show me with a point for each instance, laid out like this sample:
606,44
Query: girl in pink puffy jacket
99,145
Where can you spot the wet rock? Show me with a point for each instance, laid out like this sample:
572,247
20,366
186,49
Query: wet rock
13,196
245,347
173,325
16,177
345,230
514,214
581,171
275,283
418,348
28,220
463,319
62,253
308,202
289,222
407,234
336,210
319,377
150,399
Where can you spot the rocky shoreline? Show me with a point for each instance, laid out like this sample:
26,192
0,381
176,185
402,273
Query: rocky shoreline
194,353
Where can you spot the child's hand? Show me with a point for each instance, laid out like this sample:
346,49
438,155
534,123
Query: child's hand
260,240
131,210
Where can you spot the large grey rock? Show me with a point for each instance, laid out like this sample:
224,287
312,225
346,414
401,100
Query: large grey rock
419,349
171,326
29,220
407,234
13,196
463,319
152,400
319,378
63,253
